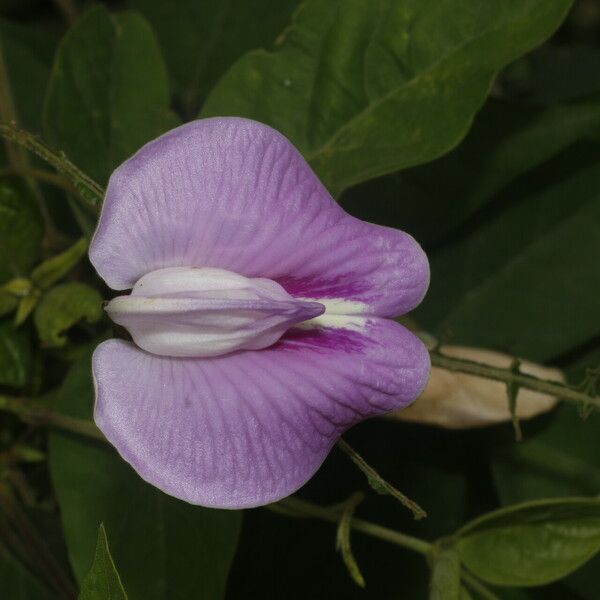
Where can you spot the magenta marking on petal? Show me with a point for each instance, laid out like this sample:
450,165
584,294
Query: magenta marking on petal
345,340
343,286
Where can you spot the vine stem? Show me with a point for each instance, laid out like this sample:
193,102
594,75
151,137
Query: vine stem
530,382
36,413
301,508
41,175
89,191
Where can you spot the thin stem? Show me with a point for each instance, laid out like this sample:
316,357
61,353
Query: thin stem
342,540
35,413
304,508
91,193
378,482
477,586
552,388
41,175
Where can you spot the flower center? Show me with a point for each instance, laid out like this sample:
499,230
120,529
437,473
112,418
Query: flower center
184,311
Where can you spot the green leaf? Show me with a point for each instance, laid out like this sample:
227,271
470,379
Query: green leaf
55,268
200,40
108,93
21,228
103,581
64,306
517,292
166,549
15,355
366,88
445,574
533,543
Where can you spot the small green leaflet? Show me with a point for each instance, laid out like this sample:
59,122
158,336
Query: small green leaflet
103,581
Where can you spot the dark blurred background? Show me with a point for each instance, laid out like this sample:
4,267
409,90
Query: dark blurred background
511,221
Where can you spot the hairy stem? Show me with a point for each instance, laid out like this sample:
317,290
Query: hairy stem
302,508
378,482
552,388
89,191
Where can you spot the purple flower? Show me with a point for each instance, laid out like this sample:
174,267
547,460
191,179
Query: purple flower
259,313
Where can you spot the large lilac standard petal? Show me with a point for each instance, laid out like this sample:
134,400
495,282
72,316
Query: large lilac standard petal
235,194
249,428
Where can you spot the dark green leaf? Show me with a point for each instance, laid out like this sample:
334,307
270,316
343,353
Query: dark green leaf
108,93
21,228
64,306
518,291
532,543
103,581
28,54
200,40
166,549
445,574
554,74
365,88
15,355
506,141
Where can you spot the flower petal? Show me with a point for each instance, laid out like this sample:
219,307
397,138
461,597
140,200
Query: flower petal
235,194
251,427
